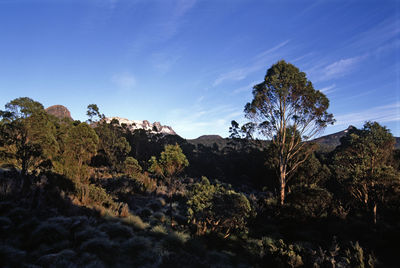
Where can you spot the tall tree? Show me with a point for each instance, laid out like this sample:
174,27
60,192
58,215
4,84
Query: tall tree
172,162
362,165
288,110
28,133
80,145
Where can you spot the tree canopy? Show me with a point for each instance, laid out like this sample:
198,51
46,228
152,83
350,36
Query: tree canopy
288,110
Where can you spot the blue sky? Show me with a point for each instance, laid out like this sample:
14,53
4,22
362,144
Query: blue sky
192,64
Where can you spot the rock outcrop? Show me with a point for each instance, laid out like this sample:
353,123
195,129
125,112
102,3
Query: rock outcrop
59,111
132,125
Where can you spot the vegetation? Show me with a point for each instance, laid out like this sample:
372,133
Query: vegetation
288,110
77,194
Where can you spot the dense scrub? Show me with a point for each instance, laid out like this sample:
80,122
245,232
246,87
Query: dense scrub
78,195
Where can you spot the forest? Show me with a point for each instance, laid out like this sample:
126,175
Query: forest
96,194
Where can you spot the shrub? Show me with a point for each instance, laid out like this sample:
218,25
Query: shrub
309,202
135,221
136,244
18,215
11,257
175,240
64,258
5,224
159,231
48,233
131,167
101,247
89,233
215,208
159,216
280,254
116,230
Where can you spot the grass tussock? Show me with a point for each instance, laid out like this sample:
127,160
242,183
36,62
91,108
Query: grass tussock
135,221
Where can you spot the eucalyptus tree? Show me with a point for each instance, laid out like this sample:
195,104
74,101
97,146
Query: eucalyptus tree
362,165
287,110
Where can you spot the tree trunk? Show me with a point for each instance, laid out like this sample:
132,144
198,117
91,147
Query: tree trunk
282,187
374,209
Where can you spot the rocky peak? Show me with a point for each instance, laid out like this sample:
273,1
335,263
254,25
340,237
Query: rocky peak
132,125
59,111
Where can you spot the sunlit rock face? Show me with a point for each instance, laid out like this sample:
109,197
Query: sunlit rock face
59,111
132,125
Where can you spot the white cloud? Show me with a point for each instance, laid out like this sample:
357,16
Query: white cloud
124,81
258,62
246,88
328,89
341,67
172,25
381,114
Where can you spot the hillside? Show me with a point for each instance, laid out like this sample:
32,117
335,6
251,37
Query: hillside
328,142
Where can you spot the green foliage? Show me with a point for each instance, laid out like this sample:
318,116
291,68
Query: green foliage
309,202
113,146
362,165
217,208
281,254
172,162
27,134
80,145
131,166
93,113
287,109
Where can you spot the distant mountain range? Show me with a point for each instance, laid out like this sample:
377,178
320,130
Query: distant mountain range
327,142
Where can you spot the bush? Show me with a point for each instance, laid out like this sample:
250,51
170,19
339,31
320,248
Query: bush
89,233
279,254
175,240
308,202
135,245
216,208
159,231
135,221
48,233
64,258
159,216
11,257
101,247
116,230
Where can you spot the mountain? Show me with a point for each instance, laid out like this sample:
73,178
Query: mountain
132,125
59,111
332,140
327,142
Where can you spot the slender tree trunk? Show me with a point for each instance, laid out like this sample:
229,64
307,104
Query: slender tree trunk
374,210
282,186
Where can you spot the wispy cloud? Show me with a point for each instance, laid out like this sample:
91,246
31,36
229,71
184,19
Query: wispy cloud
124,81
246,88
163,62
381,114
172,25
341,67
258,62
376,36
325,71
328,89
